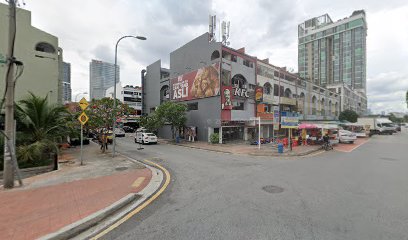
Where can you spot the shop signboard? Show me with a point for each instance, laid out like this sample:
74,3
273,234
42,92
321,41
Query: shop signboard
201,83
289,122
265,115
287,101
259,94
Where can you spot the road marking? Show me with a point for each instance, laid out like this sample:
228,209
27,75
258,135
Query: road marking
313,154
143,205
364,141
138,181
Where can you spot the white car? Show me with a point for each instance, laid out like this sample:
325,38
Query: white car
347,136
145,137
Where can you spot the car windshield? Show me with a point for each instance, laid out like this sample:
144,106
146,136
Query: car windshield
150,134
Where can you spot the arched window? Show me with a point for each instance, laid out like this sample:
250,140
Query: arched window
323,108
314,103
336,109
239,81
267,88
215,55
301,103
164,94
288,93
330,108
44,47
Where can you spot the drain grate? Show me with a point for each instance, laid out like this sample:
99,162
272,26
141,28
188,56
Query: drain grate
121,168
272,189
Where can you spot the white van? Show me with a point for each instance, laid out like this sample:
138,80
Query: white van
144,137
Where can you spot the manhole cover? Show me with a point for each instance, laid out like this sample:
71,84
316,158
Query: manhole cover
388,159
272,189
121,168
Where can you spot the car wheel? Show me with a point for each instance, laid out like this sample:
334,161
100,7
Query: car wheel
352,142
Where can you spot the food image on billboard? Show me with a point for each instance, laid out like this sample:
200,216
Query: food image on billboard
202,83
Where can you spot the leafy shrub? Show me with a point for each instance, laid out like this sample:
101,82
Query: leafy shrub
214,138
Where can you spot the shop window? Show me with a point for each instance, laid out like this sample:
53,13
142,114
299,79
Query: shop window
238,105
192,106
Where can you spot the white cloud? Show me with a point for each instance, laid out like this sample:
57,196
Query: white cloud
268,29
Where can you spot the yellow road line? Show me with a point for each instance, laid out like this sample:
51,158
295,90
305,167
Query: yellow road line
138,209
138,181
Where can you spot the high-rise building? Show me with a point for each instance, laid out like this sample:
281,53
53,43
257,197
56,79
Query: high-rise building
334,52
333,55
66,82
102,77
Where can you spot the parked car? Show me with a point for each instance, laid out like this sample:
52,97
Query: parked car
347,136
128,129
119,132
145,137
397,127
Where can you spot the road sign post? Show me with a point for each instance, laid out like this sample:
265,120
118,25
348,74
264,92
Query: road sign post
83,118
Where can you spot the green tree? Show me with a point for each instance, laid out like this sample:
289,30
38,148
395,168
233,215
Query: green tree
348,115
395,119
101,112
406,98
41,127
174,114
151,122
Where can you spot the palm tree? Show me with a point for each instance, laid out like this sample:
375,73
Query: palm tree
42,125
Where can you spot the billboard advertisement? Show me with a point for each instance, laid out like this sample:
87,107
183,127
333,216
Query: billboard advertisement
201,83
226,98
259,94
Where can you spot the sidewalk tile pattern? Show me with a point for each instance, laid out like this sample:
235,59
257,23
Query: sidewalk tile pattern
32,213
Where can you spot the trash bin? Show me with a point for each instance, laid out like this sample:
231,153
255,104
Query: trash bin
178,139
280,148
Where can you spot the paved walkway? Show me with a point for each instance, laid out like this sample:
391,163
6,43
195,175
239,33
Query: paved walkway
53,200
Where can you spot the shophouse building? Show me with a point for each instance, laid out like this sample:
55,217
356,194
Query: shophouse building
286,92
219,85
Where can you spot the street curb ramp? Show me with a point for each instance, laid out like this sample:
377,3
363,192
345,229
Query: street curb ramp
95,223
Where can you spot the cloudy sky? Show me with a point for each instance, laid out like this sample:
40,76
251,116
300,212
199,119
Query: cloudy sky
267,28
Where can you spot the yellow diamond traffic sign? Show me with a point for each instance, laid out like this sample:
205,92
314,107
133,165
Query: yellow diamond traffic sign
83,103
83,118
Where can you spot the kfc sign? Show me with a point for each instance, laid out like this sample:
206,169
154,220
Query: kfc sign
241,92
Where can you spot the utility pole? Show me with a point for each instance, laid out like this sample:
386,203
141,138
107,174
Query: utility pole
9,149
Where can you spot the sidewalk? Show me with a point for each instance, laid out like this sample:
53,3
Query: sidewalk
245,148
50,201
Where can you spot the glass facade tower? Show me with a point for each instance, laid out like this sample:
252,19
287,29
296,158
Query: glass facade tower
334,52
101,78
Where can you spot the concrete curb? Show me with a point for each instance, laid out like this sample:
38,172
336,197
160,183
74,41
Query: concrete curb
252,154
95,223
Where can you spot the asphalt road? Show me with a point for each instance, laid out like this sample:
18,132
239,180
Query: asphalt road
334,195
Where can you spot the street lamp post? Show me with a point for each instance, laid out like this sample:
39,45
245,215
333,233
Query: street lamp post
114,90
